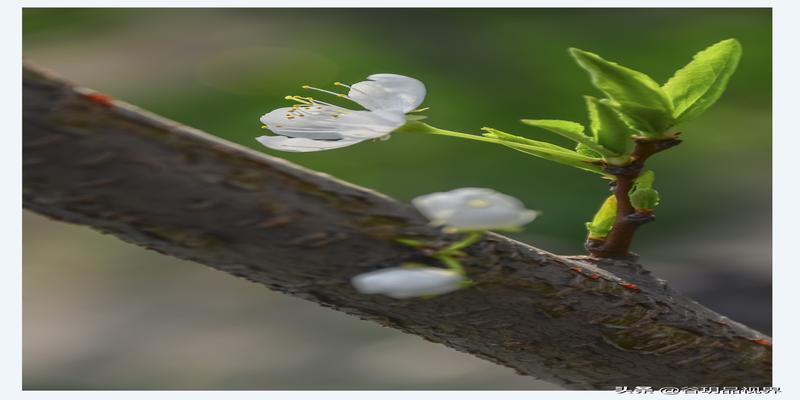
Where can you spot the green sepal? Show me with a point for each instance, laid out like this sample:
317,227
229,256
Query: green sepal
696,86
640,100
604,219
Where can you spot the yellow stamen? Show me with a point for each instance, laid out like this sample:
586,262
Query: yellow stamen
299,99
322,90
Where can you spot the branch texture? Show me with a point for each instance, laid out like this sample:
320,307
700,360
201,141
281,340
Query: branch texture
580,322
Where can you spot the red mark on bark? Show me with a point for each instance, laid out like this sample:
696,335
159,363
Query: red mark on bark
628,285
577,269
763,342
594,276
99,98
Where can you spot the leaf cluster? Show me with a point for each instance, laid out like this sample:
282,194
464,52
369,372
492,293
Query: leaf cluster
634,106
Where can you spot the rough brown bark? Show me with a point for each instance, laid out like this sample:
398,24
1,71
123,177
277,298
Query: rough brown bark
581,322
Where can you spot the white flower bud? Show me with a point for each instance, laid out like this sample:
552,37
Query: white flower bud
474,209
403,283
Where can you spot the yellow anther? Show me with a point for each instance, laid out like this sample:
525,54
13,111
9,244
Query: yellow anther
306,87
264,127
299,99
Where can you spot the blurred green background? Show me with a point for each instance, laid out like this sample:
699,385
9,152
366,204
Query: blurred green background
220,69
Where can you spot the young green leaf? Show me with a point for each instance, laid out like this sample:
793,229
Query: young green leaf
644,199
700,83
643,196
494,133
582,149
570,130
608,128
636,95
547,151
560,158
645,180
603,220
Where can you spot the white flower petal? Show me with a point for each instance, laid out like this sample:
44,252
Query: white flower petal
373,96
489,218
434,206
369,124
403,283
388,92
311,126
410,90
526,217
322,122
474,209
303,144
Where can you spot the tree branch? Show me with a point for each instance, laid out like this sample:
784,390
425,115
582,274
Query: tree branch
581,322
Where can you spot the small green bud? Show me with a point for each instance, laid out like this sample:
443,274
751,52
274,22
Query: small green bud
603,221
643,196
644,199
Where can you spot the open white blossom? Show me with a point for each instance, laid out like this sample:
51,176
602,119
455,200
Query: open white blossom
313,125
474,209
403,283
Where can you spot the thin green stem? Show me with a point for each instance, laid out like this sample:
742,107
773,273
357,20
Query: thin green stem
443,132
467,241
452,263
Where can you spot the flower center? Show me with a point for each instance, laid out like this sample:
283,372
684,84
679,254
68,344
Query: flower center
478,203
313,107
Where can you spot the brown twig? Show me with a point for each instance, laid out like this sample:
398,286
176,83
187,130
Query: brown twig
628,220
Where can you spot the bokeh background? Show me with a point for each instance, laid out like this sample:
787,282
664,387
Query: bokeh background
102,314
